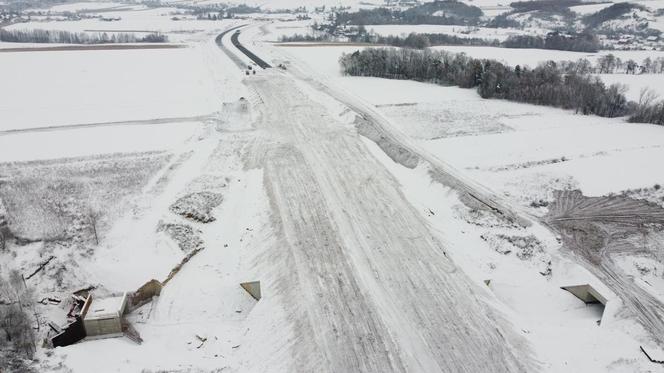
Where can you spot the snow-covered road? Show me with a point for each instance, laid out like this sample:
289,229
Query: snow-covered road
371,289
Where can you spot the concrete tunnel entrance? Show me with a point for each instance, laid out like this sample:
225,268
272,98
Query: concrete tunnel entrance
590,296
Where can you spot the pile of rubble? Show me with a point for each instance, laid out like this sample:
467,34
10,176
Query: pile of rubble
187,238
197,206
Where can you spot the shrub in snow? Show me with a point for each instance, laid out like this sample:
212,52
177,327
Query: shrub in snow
197,206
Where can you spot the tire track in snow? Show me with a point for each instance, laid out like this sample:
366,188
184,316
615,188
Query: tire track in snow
372,285
326,292
600,229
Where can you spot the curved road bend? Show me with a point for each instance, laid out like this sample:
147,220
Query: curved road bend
259,61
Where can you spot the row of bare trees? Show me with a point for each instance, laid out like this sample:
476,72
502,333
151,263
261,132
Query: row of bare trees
66,37
546,84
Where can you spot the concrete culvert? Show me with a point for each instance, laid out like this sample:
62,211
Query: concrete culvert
590,296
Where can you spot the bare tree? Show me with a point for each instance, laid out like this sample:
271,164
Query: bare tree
648,109
4,229
15,322
93,219
647,96
93,213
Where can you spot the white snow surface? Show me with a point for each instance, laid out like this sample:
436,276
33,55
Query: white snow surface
203,320
636,83
80,142
186,28
595,148
589,8
459,31
81,87
79,6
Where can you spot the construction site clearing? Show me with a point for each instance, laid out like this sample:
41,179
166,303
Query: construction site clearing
104,317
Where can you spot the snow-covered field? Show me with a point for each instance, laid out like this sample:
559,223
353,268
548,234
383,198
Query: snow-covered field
636,83
459,31
277,30
83,6
127,133
524,153
590,8
60,143
366,262
6,45
80,87
511,147
532,57
186,28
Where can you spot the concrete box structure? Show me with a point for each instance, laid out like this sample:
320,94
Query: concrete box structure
104,317
586,293
253,288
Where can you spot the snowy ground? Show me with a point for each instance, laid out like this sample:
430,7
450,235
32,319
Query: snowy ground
365,264
88,87
325,59
186,28
5,45
523,152
590,8
59,143
277,30
183,156
476,140
636,83
459,31
82,6
532,57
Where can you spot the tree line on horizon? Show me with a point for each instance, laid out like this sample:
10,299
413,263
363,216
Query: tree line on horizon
66,37
446,12
553,40
546,84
